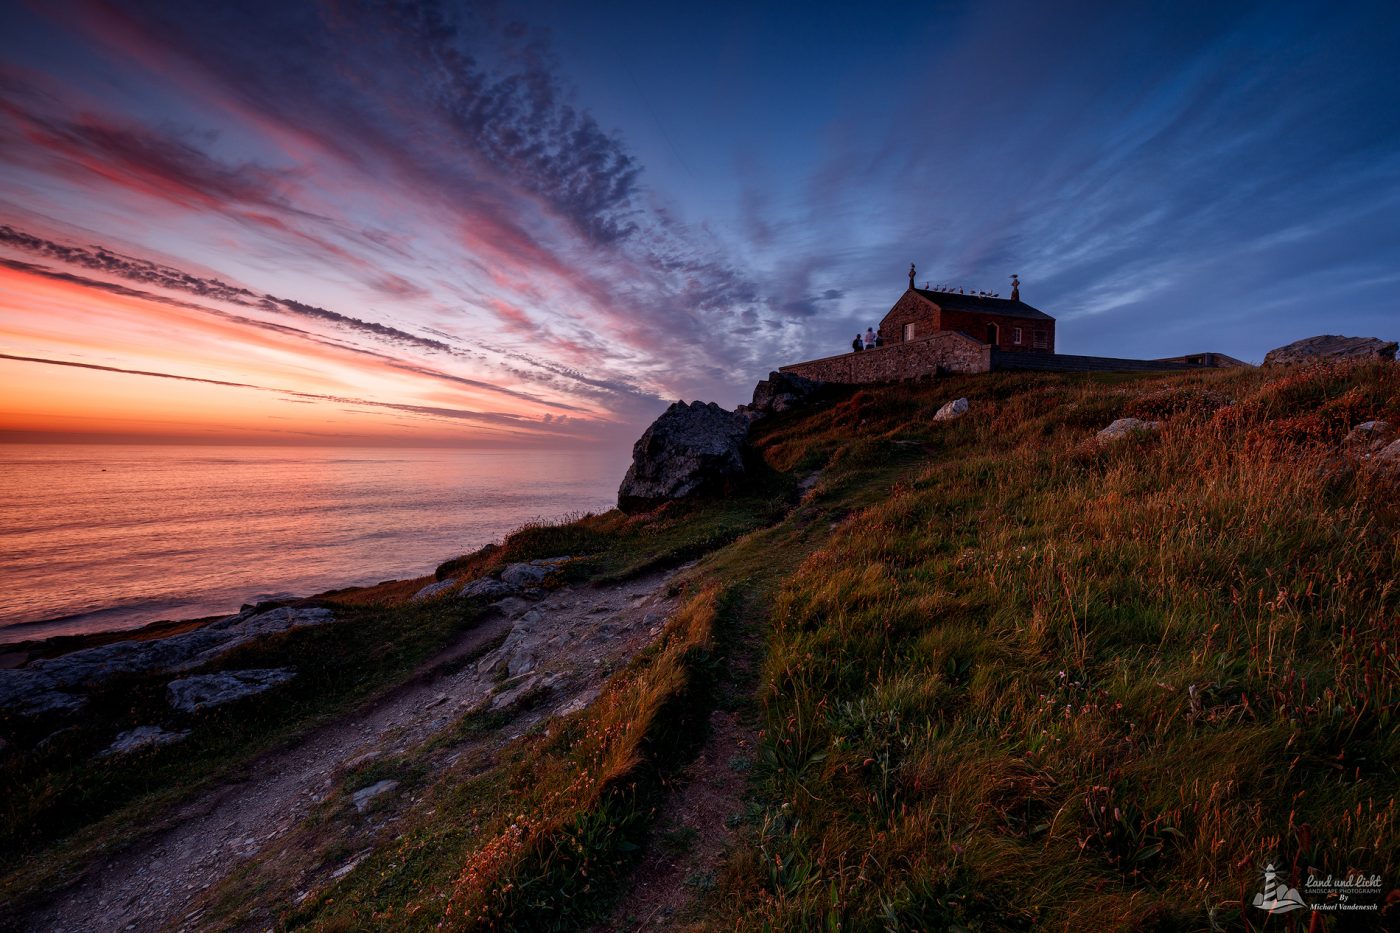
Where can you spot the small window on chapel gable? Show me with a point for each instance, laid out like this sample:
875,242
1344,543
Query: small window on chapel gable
1016,336
908,331
1040,341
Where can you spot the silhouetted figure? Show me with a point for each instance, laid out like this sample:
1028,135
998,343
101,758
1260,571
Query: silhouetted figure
856,344
870,338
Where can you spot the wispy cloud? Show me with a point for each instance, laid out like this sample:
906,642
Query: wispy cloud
419,204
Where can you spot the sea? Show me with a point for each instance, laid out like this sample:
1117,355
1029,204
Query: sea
102,537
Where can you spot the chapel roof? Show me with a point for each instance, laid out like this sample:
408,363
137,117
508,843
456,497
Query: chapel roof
953,301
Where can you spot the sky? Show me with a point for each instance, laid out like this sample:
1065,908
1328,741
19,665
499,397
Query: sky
537,224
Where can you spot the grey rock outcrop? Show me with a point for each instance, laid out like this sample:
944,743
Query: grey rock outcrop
32,693
202,691
532,573
780,392
1367,439
434,589
954,409
1127,427
487,588
1387,459
1331,347
690,450
56,684
141,738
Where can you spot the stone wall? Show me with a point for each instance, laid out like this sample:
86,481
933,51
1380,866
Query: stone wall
1066,363
927,356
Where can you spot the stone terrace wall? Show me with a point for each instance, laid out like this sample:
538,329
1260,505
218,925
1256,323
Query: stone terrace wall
1066,363
945,351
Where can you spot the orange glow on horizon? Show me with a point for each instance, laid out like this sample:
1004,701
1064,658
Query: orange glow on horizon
289,384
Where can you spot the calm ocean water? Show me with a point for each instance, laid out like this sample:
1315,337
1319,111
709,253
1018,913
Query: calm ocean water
96,538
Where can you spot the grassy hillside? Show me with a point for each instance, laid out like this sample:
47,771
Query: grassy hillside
998,677
1010,679
1048,684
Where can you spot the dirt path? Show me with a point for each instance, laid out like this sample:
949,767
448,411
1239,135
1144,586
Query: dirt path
565,645
697,821
693,830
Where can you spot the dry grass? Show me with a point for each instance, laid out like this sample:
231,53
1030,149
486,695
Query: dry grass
1014,680
1053,685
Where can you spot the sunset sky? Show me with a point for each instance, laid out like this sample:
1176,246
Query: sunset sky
537,224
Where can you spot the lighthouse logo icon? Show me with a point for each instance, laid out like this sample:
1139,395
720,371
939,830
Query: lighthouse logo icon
1278,897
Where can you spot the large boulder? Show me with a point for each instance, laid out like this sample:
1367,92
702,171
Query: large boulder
951,411
690,450
1331,347
780,392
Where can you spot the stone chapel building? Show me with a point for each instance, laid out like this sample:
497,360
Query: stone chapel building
933,331
1007,324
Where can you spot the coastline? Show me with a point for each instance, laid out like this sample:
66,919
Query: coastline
19,653
172,534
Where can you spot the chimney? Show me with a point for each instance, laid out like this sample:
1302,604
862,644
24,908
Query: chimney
1015,287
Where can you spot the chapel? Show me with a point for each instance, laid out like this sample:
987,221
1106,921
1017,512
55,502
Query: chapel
1007,324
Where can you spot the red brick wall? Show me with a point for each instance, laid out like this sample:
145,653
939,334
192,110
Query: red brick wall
911,308
974,323
924,356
